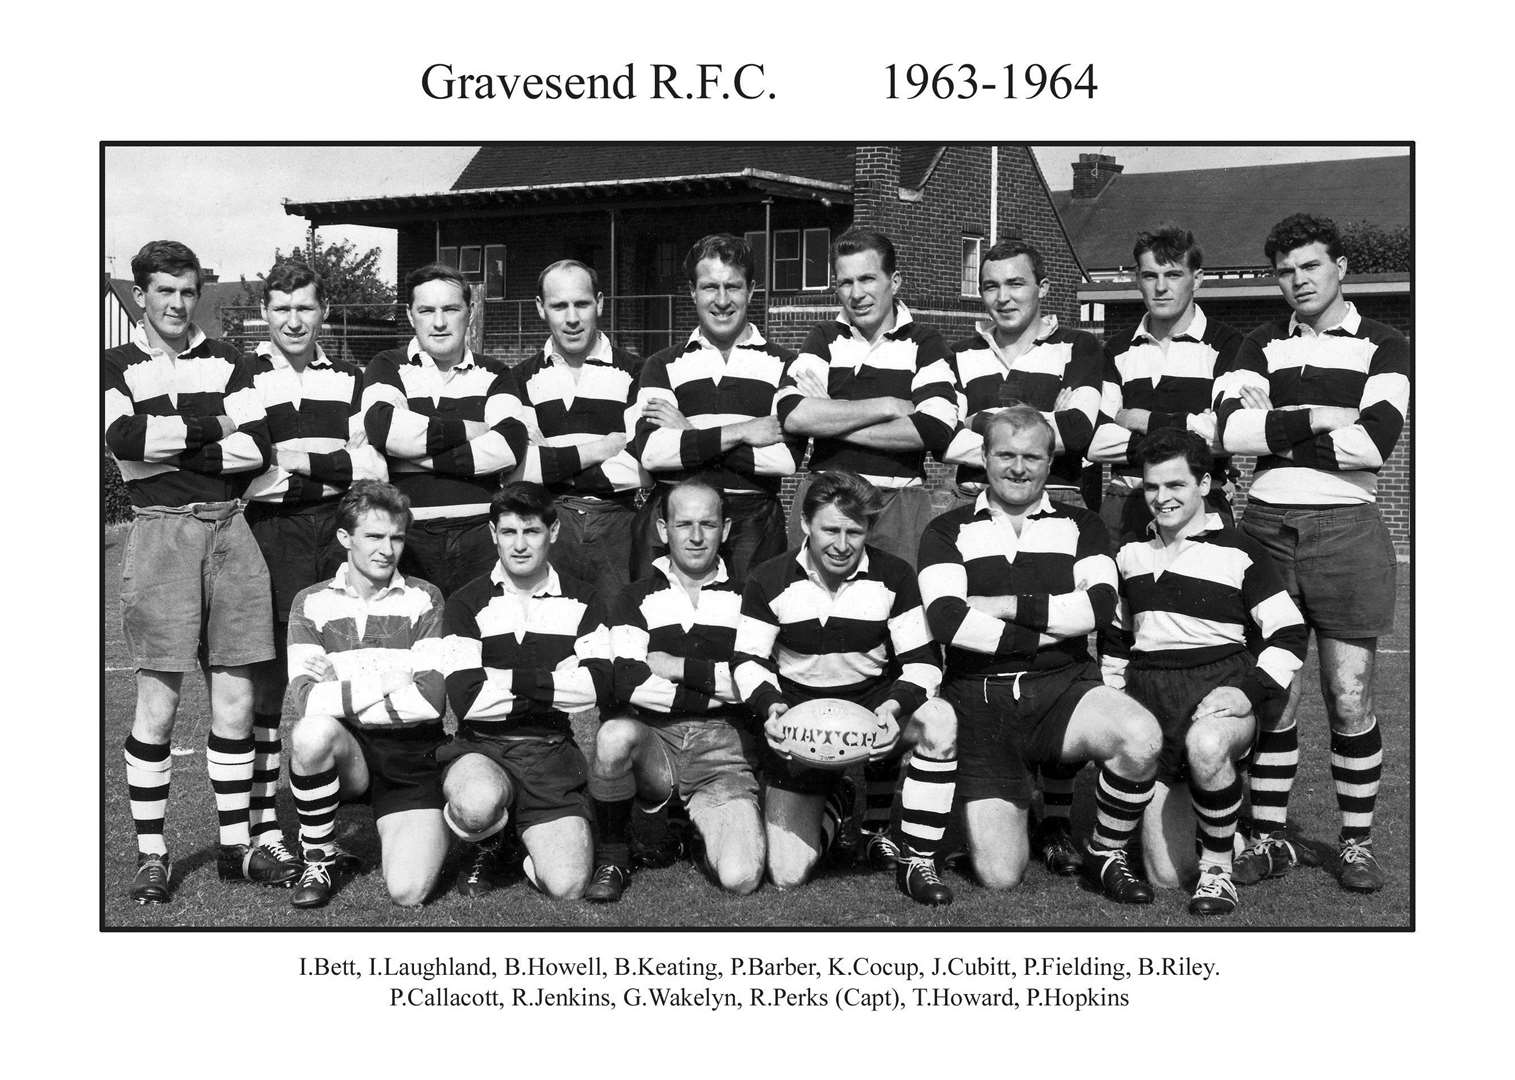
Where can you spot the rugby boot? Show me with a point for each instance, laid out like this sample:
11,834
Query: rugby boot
1107,870
1270,855
607,885
1052,843
881,852
1356,868
320,877
486,869
243,862
917,878
150,885
1214,895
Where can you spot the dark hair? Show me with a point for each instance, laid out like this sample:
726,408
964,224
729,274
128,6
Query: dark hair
1009,248
1165,444
435,272
289,275
723,247
165,257
1169,244
848,492
569,264
523,499
1297,230
856,241
367,495
699,483
1021,418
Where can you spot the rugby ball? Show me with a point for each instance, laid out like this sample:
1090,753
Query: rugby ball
833,733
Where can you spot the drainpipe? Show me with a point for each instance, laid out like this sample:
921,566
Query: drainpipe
993,194
614,304
768,261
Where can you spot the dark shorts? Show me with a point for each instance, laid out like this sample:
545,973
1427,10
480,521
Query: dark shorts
757,532
449,552
594,542
1008,726
548,776
711,762
194,587
904,515
403,773
788,774
1338,564
300,546
1124,512
1172,695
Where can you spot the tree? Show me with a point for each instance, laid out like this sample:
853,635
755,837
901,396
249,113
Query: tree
1373,249
351,278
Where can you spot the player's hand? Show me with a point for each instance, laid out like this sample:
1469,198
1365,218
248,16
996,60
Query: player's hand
1064,399
475,428
368,463
295,461
978,423
811,384
320,668
773,728
888,730
762,431
666,666
1255,397
998,607
1203,425
1223,701
616,440
1325,418
665,414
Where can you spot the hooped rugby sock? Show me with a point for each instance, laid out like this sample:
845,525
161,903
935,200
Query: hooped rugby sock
1118,807
148,770
926,802
880,778
612,821
267,751
833,813
1356,767
316,801
1217,813
1274,765
1057,781
229,762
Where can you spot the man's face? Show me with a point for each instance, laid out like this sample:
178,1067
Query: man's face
1173,495
1167,288
1012,296
294,321
693,530
168,303
571,309
1017,462
866,293
835,542
439,316
522,544
1309,278
720,293
374,545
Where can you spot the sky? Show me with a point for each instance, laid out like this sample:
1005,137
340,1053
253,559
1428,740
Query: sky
226,202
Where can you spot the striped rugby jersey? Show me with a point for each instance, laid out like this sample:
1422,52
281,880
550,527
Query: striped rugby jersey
1221,595
910,361
161,426
796,637
318,411
414,412
656,615
711,392
1358,364
985,381
1174,386
1058,569
560,413
509,675
400,626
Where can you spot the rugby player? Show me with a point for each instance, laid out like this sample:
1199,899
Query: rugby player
838,618
1193,596
1321,397
687,735
365,681
187,429
524,647
1012,585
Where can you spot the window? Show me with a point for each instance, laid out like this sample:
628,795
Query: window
494,272
471,262
758,242
973,250
801,259
480,264
447,256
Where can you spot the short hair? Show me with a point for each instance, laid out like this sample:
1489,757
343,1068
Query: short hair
523,499
568,264
723,247
846,491
165,257
289,275
1166,444
1169,244
855,241
435,272
1297,230
1021,417
694,483
369,495
1009,248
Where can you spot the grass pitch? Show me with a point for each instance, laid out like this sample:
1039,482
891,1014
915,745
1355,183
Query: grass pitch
681,897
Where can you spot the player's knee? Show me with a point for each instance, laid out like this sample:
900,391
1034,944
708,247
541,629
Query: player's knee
739,872
1349,708
998,872
789,872
313,738
562,882
938,729
1208,750
409,890
614,744
474,810
1141,740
